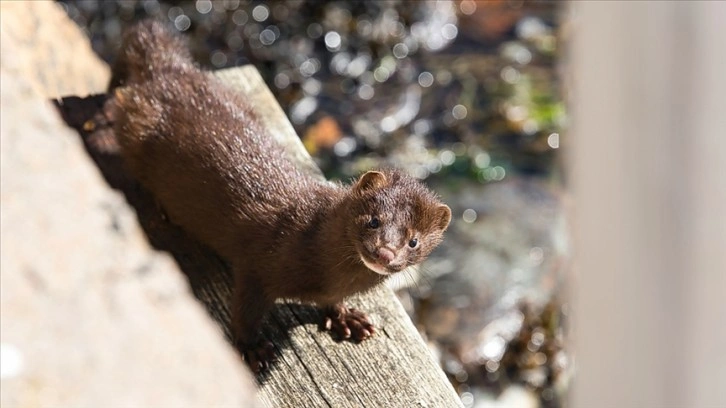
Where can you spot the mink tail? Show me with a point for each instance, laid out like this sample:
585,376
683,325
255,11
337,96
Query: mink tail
149,48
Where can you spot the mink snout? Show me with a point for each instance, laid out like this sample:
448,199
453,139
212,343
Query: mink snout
385,255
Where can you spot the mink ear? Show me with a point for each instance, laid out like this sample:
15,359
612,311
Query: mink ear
370,181
443,216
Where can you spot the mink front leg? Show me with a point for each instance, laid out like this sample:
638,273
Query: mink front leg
249,306
347,323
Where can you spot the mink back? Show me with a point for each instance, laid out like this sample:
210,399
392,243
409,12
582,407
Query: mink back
199,148
203,154
149,49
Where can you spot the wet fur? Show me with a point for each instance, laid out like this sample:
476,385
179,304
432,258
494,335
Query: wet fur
198,147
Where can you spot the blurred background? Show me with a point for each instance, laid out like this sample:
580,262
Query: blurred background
465,95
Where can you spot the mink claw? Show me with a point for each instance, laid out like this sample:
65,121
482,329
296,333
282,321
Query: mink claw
260,356
348,323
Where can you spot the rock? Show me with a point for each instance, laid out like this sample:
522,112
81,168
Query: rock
41,44
90,315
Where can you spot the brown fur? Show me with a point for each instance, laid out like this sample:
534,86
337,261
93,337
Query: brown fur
199,149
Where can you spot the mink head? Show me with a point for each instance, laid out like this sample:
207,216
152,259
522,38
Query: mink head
396,221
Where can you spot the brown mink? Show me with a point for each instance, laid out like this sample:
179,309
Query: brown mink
198,147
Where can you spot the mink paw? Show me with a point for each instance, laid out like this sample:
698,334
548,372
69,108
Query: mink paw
259,356
348,323
99,129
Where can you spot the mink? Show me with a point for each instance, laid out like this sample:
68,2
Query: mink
198,147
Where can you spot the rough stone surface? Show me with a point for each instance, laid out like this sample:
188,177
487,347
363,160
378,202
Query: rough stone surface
41,44
90,316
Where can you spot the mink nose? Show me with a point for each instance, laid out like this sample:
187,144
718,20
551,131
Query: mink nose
385,255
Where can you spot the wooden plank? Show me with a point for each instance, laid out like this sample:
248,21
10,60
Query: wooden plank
393,368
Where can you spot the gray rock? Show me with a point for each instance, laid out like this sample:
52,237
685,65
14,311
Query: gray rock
41,44
90,315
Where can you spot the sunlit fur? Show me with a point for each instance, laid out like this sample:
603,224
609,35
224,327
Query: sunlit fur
405,210
198,147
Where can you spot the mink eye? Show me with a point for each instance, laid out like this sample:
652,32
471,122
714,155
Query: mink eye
374,223
412,243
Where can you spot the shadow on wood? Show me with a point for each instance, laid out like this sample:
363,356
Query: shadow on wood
209,276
